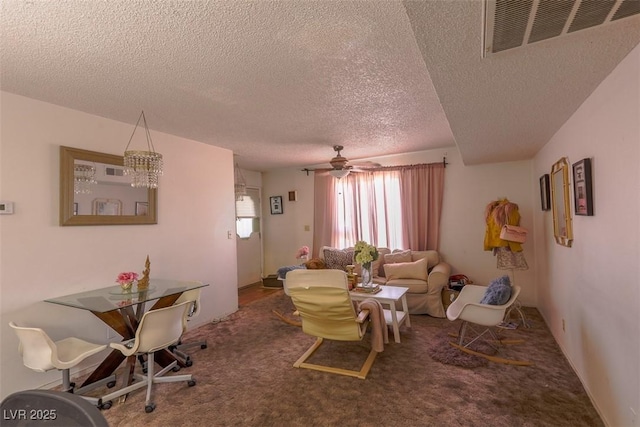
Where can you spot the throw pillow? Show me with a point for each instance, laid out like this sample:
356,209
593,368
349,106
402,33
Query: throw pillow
498,292
396,257
337,259
407,270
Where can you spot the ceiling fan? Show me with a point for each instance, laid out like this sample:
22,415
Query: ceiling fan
342,167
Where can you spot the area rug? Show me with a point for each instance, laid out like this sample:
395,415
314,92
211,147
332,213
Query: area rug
441,351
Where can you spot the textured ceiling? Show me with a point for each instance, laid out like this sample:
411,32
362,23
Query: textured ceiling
281,82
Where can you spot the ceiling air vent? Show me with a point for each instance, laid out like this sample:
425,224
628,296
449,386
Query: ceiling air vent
514,23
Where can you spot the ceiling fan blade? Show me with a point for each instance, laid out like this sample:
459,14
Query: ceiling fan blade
364,164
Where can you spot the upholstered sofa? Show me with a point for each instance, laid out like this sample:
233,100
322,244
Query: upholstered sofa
423,272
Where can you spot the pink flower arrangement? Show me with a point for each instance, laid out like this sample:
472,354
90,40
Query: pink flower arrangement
303,252
127,277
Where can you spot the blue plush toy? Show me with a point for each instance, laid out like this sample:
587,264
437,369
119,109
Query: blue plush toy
498,292
282,271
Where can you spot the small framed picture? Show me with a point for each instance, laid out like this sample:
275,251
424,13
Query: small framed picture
276,205
582,189
142,208
107,207
545,196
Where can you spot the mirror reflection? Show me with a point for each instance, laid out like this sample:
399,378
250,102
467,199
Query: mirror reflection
95,191
560,201
103,189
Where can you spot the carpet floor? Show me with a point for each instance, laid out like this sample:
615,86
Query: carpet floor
245,378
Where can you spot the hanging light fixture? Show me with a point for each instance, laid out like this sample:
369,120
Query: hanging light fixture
339,173
144,167
84,176
240,185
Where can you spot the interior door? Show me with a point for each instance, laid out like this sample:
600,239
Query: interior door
249,238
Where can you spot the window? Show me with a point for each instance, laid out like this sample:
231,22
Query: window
398,207
248,214
369,209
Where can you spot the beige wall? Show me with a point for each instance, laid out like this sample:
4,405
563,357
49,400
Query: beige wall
593,286
39,259
285,233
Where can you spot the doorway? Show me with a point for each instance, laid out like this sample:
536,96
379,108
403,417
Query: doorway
249,238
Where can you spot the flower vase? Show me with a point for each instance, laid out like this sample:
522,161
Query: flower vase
367,275
126,287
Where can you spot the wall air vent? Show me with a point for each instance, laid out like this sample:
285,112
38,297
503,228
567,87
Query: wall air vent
108,174
112,171
514,23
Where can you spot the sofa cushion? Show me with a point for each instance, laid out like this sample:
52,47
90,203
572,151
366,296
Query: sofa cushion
338,258
498,292
415,286
397,257
381,253
407,270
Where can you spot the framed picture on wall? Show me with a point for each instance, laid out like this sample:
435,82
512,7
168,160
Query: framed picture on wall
107,207
142,208
545,193
276,205
582,190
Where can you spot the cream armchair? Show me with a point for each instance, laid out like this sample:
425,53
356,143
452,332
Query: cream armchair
424,274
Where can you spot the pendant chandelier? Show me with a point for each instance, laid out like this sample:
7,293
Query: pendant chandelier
144,167
84,176
240,185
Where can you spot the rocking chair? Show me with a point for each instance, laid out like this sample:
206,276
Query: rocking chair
480,319
322,299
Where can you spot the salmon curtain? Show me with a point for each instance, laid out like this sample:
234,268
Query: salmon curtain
397,207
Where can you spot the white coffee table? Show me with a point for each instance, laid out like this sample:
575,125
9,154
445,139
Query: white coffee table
389,295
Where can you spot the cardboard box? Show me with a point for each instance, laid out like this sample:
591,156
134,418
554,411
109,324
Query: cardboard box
448,296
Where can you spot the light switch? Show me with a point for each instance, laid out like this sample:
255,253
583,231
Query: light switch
6,208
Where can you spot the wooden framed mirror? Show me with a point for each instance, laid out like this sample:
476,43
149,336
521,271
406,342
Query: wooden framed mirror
95,191
561,202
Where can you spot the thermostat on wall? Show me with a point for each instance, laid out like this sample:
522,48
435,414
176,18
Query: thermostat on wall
6,207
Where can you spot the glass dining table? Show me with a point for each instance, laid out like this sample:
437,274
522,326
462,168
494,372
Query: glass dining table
122,310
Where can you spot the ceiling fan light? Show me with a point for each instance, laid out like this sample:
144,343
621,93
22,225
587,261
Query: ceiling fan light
339,173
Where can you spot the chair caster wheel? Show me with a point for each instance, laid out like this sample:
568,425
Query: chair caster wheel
106,405
191,383
175,368
203,346
111,384
189,363
149,408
